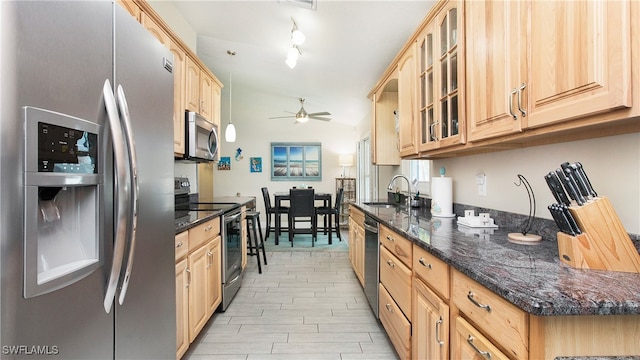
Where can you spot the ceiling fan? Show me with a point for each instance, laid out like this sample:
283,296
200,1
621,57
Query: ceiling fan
303,116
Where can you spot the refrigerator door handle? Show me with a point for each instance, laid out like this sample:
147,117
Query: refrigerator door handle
122,193
133,166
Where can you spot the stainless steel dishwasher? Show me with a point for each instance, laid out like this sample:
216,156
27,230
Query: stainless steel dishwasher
371,259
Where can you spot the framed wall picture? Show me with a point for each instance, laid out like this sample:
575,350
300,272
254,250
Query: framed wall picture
256,164
296,161
224,163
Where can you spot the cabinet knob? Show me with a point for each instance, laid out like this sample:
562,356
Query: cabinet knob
389,308
390,263
179,244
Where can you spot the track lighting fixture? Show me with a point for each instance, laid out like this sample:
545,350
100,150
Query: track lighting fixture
297,38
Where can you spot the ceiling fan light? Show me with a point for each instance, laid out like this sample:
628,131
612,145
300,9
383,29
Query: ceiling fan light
230,133
297,37
291,62
302,119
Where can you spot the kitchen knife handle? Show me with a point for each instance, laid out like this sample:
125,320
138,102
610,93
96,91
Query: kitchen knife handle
522,111
513,92
586,178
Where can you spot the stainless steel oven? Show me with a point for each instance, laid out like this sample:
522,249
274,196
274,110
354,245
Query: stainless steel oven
231,255
201,138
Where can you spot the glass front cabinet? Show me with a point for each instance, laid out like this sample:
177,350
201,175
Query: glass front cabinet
441,73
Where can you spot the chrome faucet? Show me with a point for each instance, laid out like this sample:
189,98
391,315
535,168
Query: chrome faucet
390,187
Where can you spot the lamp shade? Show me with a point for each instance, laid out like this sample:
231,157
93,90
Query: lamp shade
230,133
345,159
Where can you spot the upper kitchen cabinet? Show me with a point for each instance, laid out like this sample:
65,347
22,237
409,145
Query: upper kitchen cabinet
407,107
580,60
534,64
496,66
156,30
179,83
385,146
202,92
440,78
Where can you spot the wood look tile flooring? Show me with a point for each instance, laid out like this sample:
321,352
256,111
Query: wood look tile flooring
306,304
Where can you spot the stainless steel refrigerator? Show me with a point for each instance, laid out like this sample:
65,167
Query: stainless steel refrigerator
86,196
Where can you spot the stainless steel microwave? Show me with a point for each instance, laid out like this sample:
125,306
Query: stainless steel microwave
202,141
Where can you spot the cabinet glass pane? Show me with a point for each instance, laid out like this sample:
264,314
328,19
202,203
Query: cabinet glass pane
454,72
423,126
443,77
430,88
454,115
432,125
423,86
444,118
453,27
429,50
444,46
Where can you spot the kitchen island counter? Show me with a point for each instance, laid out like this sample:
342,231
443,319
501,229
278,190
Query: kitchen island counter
531,277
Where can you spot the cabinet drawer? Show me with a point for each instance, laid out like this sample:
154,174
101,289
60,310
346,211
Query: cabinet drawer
468,343
398,245
500,320
395,323
397,279
357,215
433,271
203,232
182,245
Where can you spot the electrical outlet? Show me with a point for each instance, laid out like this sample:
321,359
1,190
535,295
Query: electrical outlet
481,181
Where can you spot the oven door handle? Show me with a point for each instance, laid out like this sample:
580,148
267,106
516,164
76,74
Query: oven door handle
228,219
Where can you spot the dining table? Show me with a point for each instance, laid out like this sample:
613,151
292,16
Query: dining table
281,196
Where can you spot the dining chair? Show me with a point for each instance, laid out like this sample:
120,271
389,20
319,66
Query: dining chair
332,214
271,210
302,210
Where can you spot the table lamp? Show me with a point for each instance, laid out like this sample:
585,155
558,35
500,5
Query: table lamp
345,160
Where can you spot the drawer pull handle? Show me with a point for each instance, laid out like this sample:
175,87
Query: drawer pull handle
522,87
513,92
389,308
390,263
421,261
476,303
438,323
208,228
179,244
482,353
390,238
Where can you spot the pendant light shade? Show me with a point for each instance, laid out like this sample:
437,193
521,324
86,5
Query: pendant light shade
230,132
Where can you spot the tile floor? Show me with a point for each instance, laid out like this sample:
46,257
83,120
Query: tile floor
306,304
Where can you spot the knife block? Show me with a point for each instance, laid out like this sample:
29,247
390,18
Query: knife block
603,245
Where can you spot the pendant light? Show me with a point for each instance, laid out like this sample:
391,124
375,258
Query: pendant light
230,132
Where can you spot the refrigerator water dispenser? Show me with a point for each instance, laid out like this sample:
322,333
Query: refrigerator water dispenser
63,196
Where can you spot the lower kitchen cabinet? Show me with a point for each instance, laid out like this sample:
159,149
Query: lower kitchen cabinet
243,237
429,324
182,308
198,254
397,326
356,242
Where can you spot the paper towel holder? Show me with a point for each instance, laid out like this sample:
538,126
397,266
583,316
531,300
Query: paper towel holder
524,237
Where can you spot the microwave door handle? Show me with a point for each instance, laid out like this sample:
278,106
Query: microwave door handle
122,194
213,142
133,166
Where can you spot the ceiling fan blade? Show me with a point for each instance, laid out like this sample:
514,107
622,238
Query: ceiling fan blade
282,117
319,118
320,113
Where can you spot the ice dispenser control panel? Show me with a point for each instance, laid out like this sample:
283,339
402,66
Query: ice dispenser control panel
66,150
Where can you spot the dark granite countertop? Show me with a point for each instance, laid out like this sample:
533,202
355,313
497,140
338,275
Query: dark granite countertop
195,218
529,276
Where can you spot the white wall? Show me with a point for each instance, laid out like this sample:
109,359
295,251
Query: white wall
255,132
176,21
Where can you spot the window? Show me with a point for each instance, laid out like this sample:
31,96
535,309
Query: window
420,175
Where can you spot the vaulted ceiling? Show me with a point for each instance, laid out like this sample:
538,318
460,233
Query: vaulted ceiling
348,46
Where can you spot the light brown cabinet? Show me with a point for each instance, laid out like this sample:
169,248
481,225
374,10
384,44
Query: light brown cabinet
551,62
395,289
179,63
441,78
202,92
356,242
407,108
470,344
198,280
243,236
385,143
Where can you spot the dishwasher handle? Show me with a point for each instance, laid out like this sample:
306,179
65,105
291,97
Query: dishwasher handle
373,229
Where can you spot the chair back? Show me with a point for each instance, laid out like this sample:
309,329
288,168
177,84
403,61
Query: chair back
339,197
266,198
301,202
